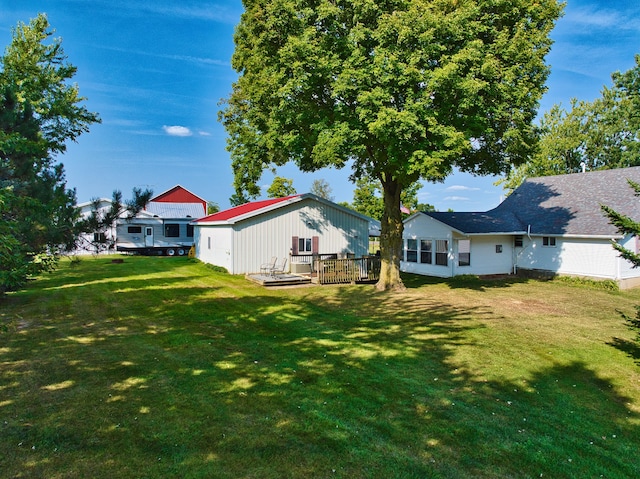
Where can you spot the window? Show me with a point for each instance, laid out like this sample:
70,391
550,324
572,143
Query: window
134,229
99,237
304,245
172,230
189,231
412,251
464,252
209,242
549,241
426,251
518,241
442,252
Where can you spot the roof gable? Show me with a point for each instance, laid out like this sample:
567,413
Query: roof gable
246,209
556,205
571,204
178,194
256,208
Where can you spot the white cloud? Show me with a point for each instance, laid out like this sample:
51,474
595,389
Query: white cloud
203,133
461,188
210,11
456,198
177,130
593,17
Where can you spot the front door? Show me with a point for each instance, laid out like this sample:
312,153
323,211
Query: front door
148,236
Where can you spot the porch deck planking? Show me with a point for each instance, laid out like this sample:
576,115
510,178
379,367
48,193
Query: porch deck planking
285,279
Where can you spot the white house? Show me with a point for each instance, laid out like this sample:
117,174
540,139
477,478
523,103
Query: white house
551,224
243,238
95,242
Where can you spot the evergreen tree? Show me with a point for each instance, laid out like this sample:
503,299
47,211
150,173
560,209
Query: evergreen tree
39,113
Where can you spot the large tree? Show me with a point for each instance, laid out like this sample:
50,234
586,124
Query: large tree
401,90
601,134
39,112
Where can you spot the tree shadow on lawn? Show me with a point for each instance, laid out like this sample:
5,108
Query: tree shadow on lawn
414,281
221,385
103,270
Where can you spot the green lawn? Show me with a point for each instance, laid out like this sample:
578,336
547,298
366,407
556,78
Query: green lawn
163,368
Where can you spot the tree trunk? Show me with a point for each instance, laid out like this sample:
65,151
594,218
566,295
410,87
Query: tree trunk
391,238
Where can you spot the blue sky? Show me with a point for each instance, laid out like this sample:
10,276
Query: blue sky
155,71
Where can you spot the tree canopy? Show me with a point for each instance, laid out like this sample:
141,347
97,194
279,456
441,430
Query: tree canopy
321,188
39,112
401,90
602,134
281,187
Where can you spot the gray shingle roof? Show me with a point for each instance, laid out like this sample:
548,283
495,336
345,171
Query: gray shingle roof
556,205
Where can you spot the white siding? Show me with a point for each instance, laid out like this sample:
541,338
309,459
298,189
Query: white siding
425,227
213,245
571,256
625,268
485,258
588,257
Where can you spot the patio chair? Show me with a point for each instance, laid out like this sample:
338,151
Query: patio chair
266,268
276,270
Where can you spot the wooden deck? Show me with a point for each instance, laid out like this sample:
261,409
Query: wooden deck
286,279
324,271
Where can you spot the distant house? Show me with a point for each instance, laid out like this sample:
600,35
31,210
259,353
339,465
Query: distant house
98,241
550,224
243,238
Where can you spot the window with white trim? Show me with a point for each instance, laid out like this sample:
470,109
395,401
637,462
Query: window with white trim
411,252
304,245
549,241
442,252
464,252
426,251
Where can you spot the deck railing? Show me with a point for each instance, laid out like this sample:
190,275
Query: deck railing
351,270
329,269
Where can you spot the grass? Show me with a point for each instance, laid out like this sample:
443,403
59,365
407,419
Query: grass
160,367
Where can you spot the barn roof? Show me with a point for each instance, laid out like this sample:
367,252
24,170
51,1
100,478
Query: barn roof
178,194
556,206
175,210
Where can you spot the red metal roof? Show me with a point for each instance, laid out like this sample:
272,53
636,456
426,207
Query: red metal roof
244,209
178,194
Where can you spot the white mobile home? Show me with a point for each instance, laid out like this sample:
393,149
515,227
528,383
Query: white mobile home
164,226
243,238
159,230
551,224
